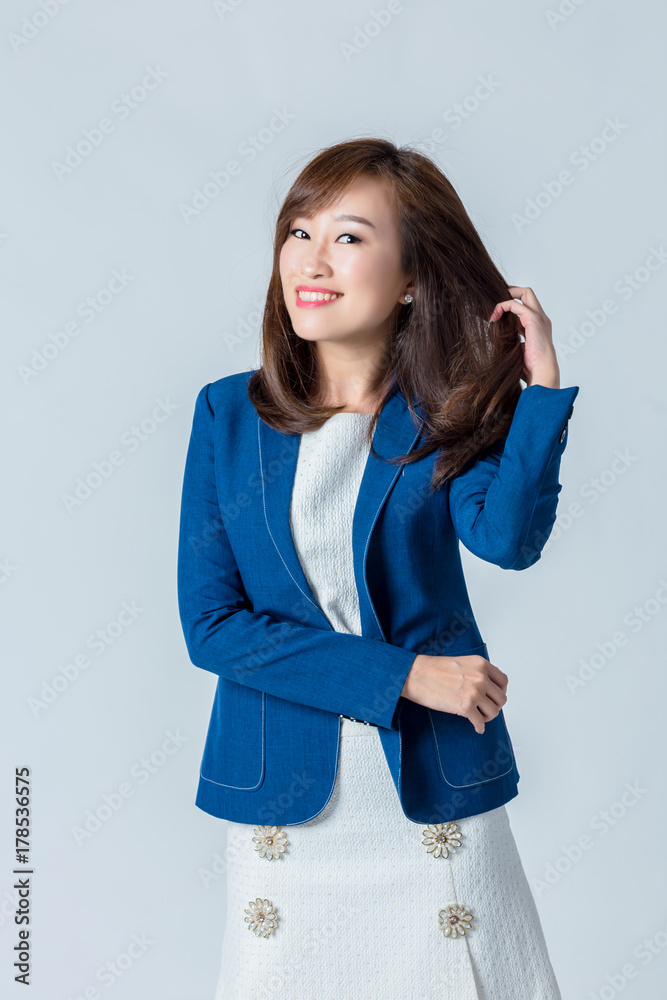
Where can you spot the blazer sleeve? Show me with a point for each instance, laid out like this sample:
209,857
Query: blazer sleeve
504,507
335,671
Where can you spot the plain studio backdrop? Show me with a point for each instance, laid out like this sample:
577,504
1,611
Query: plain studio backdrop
147,147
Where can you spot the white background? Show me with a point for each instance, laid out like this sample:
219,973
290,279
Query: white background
189,314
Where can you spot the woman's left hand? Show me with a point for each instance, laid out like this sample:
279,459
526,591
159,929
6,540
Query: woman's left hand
539,354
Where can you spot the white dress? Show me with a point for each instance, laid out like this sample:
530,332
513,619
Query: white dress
357,897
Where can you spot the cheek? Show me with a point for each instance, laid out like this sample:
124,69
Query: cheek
373,280
288,259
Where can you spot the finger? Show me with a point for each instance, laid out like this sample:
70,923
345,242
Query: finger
498,677
527,295
501,307
511,305
488,707
477,720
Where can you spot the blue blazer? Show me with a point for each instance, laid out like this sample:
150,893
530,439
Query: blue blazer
284,675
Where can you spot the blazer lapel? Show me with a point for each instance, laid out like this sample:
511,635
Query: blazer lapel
395,434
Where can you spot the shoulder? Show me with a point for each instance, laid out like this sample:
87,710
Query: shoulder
226,405
231,389
229,393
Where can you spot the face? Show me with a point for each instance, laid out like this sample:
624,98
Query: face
357,260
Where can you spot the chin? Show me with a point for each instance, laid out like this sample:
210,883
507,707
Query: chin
312,335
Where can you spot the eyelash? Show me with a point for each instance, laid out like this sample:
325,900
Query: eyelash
298,229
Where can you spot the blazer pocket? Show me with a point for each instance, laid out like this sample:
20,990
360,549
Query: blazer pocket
465,757
234,752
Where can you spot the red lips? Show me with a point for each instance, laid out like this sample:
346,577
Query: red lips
316,288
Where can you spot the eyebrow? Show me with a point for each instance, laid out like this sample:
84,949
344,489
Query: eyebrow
354,218
343,218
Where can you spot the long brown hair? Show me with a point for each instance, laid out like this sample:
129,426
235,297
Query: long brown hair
443,354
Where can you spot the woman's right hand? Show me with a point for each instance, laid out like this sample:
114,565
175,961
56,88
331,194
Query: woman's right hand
463,685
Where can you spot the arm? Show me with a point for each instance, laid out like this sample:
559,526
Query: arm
335,671
504,507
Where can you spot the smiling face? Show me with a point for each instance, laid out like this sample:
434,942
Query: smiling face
346,260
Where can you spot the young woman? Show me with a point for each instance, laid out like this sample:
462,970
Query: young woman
357,748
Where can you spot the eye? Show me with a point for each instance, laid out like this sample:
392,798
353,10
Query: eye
293,232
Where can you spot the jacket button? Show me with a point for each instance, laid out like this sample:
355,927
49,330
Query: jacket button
262,918
455,920
270,841
560,439
440,839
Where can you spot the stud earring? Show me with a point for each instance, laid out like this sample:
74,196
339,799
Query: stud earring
408,297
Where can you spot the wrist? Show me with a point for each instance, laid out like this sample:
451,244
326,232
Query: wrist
413,676
550,380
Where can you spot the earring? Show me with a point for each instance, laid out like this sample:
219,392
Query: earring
408,297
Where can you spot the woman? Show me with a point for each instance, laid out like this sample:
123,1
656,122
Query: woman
357,747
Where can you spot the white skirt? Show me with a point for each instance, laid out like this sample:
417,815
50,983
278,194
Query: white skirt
357,902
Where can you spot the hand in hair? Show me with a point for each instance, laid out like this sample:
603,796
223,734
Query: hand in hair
539,353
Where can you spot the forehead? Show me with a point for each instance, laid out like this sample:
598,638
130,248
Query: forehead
366,200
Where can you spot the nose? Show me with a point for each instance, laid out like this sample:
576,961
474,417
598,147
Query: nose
315,269
314,264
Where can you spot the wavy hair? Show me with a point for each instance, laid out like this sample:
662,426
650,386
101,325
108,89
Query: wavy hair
443,354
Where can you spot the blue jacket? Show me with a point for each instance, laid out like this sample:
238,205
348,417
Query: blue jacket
284,675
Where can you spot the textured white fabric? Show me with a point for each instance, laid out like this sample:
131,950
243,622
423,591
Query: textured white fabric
356,892
330,467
